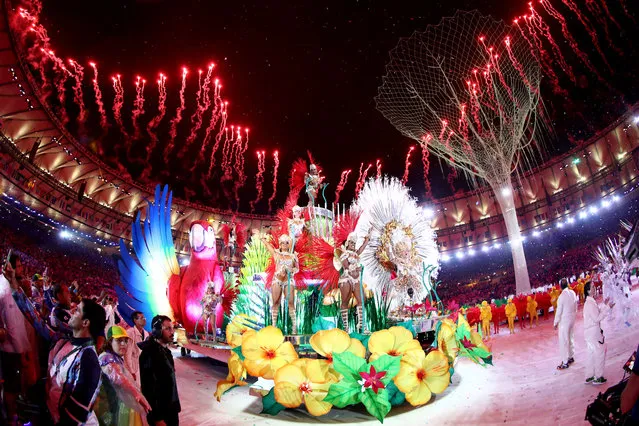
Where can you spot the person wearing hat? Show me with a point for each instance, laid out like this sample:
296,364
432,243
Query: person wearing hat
121,402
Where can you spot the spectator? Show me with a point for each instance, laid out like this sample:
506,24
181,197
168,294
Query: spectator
137,335
74,372
37,291
565,321
61,312
121,401
630,395
157,373
15,349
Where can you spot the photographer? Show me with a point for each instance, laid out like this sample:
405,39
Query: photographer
630,395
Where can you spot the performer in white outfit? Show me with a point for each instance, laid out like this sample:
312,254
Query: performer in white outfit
594,336
565,321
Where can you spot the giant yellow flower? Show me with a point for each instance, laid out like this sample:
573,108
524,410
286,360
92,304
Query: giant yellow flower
306,382
396,341
328,342
446,341
236,376
422,375
236,329
266,351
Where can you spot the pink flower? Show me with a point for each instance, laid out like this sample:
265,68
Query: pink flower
372,379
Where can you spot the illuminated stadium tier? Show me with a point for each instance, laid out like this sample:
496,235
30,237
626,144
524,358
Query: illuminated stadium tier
589,176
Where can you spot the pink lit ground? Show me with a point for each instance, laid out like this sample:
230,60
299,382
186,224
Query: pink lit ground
523,387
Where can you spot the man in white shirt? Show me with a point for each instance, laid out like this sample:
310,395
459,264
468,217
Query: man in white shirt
593,334
565,321
15,350
137,335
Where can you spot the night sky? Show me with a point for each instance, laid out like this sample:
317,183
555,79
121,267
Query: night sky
303,74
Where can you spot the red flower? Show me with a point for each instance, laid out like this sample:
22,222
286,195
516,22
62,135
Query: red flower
467,343
372,379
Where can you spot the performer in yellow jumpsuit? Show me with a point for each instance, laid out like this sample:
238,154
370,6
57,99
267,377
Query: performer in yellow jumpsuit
554,295
511,313
531,308
485,316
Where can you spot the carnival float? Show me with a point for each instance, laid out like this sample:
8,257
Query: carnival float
331,308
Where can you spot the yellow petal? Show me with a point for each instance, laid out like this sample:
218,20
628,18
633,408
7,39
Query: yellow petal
301,363
270,337
290,373
250,347
419,395
381,342
436,364
402,335
415,358
406,380
327,342
356,348
438,384
288,394
236,367
317,370
259,367
287,352
411,345
316,407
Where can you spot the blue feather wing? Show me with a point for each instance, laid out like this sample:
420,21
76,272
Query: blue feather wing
145,274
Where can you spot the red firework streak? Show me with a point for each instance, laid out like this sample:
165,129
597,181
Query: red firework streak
276,166
587,25
426,163
242,146
203,104
536,23
573,43
259,179
215,118
407,165
544,59
342,183
229,136
362,179
104,124
517,64
60,78
218,138
359,178
378,165
176,120
155,121
78,76
138,106
118,101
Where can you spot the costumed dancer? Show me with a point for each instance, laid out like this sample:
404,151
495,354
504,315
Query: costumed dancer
594,336
616,280
485,316
531,308
234,235
296,224
511,313
209,304
565,322
283,283
554,295
402,241
350,280
313,181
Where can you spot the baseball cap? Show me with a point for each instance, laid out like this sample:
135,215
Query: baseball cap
116,332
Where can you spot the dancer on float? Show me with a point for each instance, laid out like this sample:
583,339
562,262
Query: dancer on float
350,280
209,305
283,282
313,181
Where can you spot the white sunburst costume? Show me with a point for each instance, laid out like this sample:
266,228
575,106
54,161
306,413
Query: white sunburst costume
402,241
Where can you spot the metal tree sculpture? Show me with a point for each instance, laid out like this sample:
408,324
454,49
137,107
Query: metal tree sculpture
468,89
